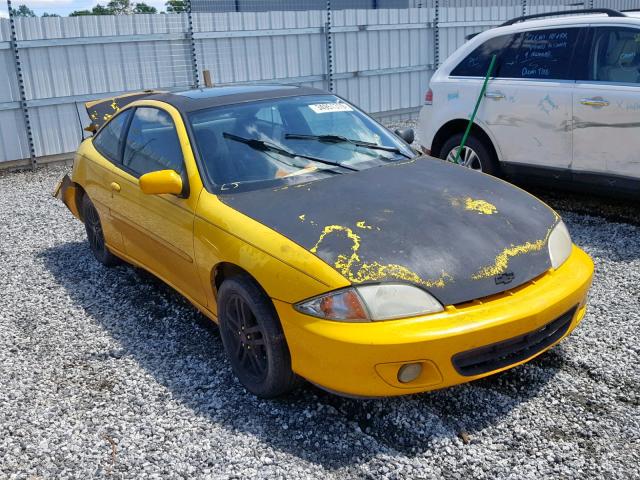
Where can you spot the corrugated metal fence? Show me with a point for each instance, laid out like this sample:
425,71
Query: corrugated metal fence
381,59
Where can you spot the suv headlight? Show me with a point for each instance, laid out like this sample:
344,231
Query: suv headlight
559,244
366,303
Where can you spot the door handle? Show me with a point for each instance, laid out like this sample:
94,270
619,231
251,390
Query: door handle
494,95
595,102
115,186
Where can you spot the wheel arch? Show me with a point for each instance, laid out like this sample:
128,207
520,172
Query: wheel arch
458,125
225,270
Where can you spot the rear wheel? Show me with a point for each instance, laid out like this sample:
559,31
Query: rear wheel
253,338
475,154
95,235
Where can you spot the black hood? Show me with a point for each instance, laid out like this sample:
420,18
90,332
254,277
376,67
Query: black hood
459,234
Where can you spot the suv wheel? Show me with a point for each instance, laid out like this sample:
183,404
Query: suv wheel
475,154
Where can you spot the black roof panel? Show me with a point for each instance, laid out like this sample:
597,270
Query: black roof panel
197,99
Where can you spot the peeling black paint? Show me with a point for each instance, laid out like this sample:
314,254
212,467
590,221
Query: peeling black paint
422,221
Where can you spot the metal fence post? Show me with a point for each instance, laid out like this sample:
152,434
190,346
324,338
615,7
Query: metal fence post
329,47
192,43
21,89
524,7
436,34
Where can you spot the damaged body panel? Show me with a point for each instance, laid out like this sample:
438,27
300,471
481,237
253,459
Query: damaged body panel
455,233
67,192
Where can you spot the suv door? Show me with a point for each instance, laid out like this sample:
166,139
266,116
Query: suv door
527,108
157,229
606,104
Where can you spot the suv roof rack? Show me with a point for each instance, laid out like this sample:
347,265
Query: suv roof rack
524,18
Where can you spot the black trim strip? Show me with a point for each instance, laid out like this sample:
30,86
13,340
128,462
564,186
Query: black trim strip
508,352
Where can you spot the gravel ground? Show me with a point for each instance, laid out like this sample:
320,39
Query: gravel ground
108,373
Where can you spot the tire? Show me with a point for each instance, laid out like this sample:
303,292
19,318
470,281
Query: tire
485,161
95,236
253,338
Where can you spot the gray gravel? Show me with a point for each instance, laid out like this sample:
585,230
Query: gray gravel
108,373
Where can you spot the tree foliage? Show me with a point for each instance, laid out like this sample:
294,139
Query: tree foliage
23,11
116,7
144,8
176,6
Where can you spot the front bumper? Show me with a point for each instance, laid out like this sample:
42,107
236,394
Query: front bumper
362,359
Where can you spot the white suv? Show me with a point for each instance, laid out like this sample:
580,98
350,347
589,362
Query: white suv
563,102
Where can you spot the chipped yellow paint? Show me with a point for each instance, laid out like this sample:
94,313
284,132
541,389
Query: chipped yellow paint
357,271
474,205
107,117
481,206
302,217
502,260
363,225
115,106
94,115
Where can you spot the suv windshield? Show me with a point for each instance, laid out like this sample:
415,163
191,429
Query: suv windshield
289,140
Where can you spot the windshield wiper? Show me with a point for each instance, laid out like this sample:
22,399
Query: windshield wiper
264,146
341,139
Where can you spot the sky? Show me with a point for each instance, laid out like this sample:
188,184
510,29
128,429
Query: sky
64,7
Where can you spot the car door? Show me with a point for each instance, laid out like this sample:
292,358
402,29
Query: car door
527,105
606,105
157,229
102,171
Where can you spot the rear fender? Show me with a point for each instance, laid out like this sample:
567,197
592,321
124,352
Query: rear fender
69,193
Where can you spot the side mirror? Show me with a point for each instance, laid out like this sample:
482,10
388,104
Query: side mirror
162,181
407,134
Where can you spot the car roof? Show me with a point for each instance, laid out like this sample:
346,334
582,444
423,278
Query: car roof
198,99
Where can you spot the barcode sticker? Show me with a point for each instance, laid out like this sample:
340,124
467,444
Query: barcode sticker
330,107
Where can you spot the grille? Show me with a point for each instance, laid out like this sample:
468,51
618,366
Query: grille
514,350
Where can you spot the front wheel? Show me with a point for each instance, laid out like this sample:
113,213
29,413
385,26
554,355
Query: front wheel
474,155
253,338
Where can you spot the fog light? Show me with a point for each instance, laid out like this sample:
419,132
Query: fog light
409,372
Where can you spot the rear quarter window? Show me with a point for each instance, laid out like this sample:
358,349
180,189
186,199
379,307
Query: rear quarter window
477,62
108,140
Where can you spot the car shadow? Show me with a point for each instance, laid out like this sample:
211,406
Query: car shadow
182,350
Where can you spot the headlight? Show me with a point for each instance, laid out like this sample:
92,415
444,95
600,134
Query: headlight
371,303
559,244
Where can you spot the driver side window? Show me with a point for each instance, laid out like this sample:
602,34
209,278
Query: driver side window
616,55
152,143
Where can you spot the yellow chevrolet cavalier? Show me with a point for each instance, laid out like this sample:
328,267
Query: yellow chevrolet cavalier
321,243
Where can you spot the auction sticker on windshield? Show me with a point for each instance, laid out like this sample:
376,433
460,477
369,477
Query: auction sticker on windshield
330,107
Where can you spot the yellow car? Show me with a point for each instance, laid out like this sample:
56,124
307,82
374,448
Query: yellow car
321,243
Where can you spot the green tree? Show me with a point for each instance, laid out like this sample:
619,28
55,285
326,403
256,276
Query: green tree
176,6
23,11
80,13
45,14
120,7
100,10
144,8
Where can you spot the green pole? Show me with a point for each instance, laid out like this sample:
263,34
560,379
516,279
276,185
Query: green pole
475,110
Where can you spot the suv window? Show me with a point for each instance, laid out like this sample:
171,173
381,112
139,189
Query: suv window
107,140
538,54
615,55
546,54
477,62
152,143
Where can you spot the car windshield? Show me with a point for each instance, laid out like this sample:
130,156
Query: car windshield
289,140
